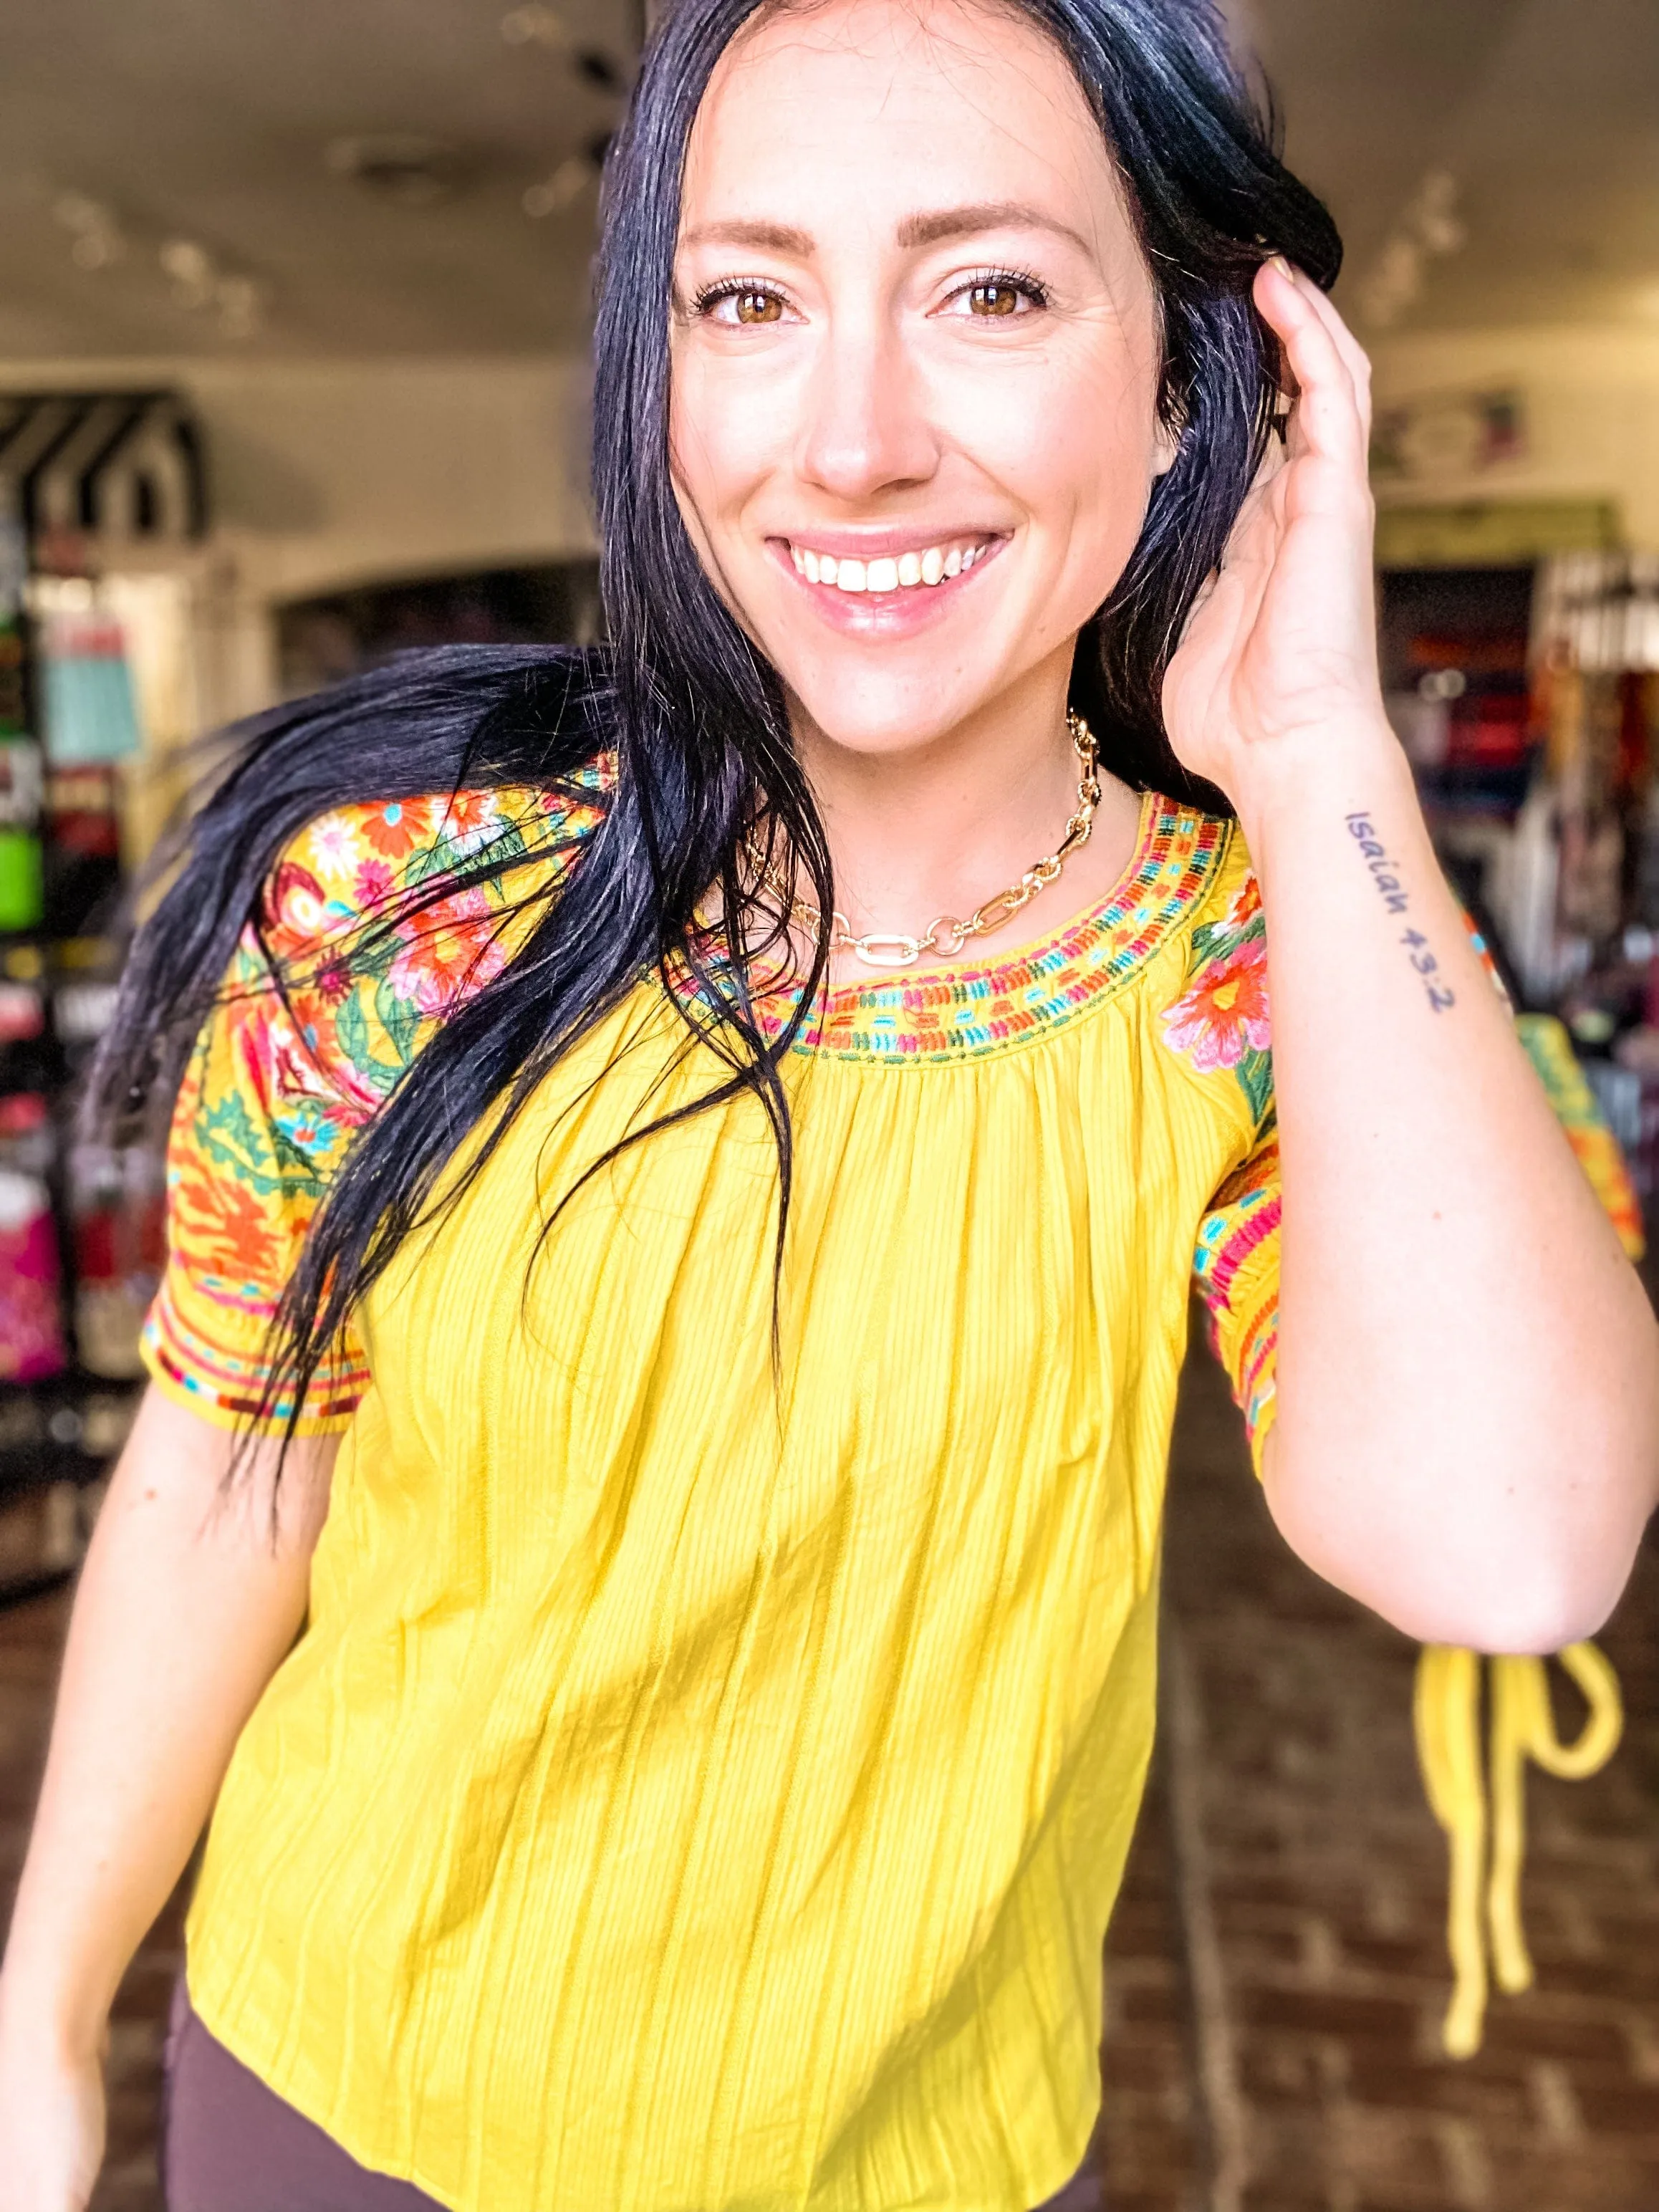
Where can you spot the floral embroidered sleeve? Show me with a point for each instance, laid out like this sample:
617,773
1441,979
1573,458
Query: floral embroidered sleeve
1550,1050
286,1072
1235,1274
1220,1025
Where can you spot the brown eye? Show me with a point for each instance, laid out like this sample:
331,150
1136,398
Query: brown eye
757,306
995,298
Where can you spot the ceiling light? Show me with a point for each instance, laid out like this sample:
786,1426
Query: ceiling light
573,177
561,190
97,236
1433,216
188,267
1429,227
538,25
544,27
199,283
240,301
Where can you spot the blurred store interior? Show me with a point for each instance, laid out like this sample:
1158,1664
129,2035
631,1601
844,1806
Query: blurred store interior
292,375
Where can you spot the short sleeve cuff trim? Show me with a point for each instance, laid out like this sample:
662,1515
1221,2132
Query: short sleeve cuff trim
226,1390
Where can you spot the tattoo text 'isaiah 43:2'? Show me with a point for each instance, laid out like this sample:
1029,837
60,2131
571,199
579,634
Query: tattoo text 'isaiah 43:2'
1386,877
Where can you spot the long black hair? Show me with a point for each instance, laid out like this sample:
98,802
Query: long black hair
691,714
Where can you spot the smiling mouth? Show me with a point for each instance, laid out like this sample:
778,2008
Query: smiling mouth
920,567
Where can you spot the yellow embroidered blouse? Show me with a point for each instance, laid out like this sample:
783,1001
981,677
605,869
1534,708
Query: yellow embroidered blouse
693,1790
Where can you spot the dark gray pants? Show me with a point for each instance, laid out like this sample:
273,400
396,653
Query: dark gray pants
229,2144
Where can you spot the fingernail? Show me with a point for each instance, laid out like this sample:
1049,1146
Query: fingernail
1277,261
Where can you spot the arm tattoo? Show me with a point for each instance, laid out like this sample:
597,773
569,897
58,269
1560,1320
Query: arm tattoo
1385,875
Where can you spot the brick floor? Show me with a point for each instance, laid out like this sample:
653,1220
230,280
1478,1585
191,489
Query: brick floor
1327,1877
1152,2118
1276,1970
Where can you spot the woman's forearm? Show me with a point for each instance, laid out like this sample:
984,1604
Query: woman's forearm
1468,1426
190,1598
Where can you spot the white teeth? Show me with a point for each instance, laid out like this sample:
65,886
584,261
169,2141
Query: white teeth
891,573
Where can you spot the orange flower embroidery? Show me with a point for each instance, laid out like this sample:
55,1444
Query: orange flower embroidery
391,828
1225,1014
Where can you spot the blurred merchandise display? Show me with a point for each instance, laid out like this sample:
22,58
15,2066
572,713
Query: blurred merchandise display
1528,699
89,710
32,1347
116,1195
95,684
321,640
117,1211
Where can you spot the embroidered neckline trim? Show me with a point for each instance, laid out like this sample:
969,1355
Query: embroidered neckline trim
965,1012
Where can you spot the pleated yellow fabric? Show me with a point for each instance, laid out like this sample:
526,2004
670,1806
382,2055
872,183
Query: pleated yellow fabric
700,1787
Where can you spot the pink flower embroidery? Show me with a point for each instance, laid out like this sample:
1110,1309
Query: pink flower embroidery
373,882
1225,1014
450,949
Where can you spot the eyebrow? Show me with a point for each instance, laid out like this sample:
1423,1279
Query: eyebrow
985,215
764,237
931,228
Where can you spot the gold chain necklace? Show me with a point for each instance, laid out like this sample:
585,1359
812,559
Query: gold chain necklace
944,934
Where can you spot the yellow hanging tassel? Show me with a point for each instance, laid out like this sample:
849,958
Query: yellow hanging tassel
1447,1706
1447,1714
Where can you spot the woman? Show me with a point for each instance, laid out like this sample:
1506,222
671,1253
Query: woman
727,1387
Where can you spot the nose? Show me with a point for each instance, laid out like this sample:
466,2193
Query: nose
867,428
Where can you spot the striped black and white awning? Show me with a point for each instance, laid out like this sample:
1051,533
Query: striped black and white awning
114,464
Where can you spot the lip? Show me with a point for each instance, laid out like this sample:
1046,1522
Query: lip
883,614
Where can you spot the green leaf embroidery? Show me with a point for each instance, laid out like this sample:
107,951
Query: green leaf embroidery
399,1020
1255,1079
351,1035
298,1167
232,1138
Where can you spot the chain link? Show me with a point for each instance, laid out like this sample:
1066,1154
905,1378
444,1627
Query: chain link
944,934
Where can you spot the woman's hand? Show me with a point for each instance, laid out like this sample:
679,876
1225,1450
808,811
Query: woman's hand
52,2122
1467,1394
1279,655
195,1586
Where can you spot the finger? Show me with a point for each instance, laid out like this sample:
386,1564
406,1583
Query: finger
1292,303
1327,418
1357,360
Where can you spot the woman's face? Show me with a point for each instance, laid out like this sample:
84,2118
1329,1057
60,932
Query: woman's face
915,361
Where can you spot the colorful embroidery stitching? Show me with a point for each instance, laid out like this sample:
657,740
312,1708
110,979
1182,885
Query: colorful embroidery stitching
1222,1020
957,1013
328,1002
